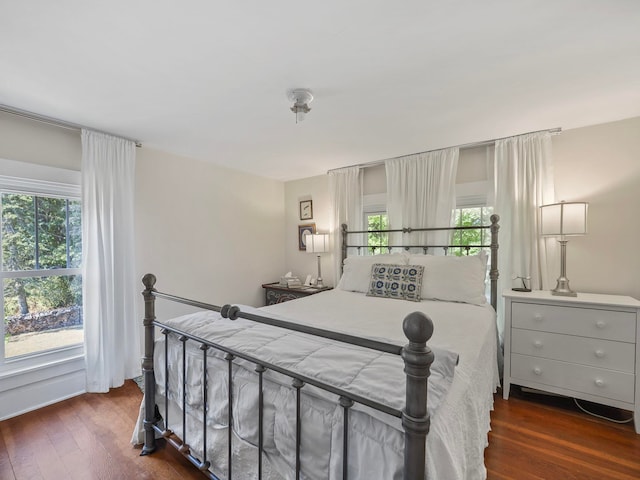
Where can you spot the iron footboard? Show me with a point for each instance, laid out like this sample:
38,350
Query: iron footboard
417,357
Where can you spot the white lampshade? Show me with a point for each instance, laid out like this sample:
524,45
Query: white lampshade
564,218
317,243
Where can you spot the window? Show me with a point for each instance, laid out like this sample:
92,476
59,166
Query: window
464,217
41,240
471,217
377,221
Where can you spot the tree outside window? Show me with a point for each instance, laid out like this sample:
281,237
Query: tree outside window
471,217
377,240
41,240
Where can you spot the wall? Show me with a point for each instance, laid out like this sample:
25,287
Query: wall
301,263
35,142
599,164
206,232
201,228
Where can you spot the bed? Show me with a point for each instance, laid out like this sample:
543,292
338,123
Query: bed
314,388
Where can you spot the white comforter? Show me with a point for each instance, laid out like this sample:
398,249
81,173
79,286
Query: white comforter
459,427
459,424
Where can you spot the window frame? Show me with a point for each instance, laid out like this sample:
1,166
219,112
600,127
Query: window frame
46,182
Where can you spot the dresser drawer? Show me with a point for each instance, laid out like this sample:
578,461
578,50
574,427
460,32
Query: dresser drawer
568,348
570,376
585,322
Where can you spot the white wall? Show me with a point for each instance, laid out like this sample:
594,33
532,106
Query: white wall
601,165
204,230
207,232
598,164
35,142
299,262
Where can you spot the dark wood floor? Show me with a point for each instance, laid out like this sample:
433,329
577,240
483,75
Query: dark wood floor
545,437
87,438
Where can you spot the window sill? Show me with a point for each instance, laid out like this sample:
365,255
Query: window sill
29,364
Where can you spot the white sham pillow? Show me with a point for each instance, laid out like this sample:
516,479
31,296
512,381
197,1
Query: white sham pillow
356,273
453,279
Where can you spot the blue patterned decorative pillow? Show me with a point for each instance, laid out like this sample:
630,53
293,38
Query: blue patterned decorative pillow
396,281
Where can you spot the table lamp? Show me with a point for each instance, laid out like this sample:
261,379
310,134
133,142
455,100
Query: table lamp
318,243
562,220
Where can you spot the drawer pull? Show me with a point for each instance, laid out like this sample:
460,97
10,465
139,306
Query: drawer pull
601,324
599,353
537,370
538,317
537,344
599,382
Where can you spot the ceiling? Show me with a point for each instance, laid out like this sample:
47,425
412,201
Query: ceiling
209,79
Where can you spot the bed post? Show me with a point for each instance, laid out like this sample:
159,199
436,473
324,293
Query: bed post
493,270
343,249
417,357
149,280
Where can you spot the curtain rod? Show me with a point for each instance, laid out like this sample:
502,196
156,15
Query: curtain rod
57,122
375,163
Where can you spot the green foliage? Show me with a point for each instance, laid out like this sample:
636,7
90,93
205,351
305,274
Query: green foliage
471,217
18,232
40,233
377,221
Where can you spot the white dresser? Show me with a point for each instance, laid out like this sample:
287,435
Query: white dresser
582,347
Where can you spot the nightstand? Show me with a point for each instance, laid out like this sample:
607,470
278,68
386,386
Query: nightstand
583,347
276,293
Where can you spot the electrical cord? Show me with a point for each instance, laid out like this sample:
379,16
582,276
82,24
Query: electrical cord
627,420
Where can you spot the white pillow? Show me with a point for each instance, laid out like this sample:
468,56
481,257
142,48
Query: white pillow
454,279
356,273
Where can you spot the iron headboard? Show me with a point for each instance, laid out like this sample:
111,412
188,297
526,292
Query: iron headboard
493,246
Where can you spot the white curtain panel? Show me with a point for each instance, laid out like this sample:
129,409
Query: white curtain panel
112,338
523,182
421,192
345,189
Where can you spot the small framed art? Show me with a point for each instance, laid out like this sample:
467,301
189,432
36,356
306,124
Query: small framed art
302,231
306,210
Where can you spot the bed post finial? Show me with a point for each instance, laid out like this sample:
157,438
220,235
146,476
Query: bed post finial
149,280
493,269
418,358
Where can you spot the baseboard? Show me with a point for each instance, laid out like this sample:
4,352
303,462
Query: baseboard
31,408
31,396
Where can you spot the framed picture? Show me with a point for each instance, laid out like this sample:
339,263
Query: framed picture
306,210
302,231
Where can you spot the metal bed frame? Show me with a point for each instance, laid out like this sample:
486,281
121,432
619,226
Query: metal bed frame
493,228
417,357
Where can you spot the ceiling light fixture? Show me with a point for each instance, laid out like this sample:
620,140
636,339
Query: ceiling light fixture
301,98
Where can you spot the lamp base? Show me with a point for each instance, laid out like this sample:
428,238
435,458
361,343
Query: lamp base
319,283
563,289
